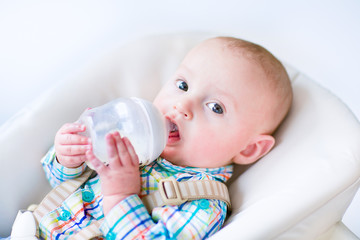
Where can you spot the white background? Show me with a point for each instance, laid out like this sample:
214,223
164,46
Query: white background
43,41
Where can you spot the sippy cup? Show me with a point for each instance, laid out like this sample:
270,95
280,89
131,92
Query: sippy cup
137,119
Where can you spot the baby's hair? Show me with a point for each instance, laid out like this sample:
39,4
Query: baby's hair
278,79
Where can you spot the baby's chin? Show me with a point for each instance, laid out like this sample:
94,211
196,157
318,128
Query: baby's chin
169,156
190,161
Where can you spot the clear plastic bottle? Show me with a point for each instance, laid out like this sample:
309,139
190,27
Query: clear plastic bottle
137,119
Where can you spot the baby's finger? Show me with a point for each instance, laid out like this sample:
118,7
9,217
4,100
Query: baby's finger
71,150
98,166
72,128
73,139
132,153
124,155
114,160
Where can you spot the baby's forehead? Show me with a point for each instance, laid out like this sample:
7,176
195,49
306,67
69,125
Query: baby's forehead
227,50
228,60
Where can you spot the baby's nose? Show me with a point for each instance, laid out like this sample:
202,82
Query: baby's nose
184,109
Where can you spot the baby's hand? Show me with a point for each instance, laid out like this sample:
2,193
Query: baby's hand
70,147
121,177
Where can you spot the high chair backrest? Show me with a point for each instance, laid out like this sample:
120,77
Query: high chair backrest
299,190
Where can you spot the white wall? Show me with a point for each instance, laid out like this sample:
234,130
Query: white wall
43,41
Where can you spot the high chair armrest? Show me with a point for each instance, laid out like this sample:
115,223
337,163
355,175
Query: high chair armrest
338,231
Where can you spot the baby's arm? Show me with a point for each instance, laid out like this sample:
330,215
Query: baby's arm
121,177
196,219
64,160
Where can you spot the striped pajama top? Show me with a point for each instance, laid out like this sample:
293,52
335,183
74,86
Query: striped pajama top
129,219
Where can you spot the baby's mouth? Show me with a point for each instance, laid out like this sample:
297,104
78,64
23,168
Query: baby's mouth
173,127
174,134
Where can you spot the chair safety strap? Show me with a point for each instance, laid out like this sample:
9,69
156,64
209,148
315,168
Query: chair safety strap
170,192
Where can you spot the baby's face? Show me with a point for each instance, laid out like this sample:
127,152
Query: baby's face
212,104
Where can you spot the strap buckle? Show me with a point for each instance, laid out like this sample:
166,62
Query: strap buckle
170,192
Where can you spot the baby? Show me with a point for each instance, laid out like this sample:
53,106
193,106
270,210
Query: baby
225,100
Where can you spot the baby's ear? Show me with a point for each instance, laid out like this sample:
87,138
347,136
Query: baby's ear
257,148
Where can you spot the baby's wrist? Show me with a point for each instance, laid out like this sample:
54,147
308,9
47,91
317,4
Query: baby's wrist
116,197
111,201
67,166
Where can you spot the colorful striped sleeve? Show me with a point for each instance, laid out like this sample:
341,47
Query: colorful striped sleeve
57,173
192,220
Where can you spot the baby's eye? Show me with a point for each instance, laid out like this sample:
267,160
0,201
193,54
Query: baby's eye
215,107
182,85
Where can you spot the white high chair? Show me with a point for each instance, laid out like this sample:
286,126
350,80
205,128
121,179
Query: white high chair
300,190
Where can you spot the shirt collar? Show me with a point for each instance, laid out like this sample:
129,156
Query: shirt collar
221,173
